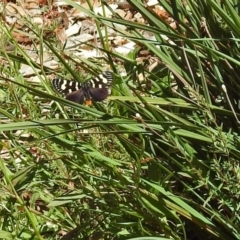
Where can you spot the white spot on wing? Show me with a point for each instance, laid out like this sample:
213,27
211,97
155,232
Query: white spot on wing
104,80
93,85
63,86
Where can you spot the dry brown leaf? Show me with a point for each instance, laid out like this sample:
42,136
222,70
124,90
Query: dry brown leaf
161,12
125,5
21,38
61,35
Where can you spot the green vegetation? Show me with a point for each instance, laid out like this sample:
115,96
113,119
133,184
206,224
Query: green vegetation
158,160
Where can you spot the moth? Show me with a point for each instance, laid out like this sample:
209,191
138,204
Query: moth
96,89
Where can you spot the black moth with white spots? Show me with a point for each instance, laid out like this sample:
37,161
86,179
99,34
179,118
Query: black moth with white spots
97,89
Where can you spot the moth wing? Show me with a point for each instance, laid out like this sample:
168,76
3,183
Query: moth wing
77,96
99,94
